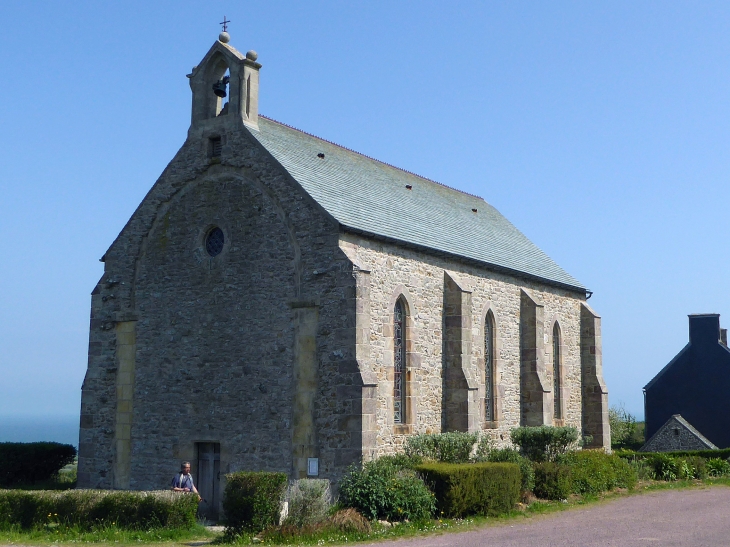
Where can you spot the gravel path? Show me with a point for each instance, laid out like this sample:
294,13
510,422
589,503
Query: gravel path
686,518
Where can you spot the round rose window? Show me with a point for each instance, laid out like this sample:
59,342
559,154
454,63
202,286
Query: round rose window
214,242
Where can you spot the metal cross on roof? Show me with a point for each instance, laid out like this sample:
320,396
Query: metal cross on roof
225,24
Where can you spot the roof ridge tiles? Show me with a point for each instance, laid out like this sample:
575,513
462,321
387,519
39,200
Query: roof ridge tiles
371,158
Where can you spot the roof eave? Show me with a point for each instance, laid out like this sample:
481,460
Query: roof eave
666,367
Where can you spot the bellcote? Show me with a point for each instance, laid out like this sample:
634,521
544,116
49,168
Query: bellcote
225,87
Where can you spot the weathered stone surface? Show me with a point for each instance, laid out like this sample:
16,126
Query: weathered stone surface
419,276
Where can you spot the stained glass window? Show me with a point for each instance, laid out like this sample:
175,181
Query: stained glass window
489,368
399,345
557,411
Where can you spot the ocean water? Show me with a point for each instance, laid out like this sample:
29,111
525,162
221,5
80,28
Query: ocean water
27,429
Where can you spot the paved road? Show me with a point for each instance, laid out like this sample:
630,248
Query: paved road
685,518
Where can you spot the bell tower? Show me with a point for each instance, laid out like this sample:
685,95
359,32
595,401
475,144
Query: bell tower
225,88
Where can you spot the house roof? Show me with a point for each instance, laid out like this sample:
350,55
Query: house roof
368,196
651,444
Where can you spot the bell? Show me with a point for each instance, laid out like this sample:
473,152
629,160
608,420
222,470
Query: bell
219,88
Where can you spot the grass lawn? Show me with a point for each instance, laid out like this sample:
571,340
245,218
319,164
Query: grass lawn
107,536
200,535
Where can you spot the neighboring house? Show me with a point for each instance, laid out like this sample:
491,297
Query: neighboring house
279,302
677,434
695,384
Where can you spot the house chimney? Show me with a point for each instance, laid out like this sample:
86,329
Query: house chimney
704,328
723,336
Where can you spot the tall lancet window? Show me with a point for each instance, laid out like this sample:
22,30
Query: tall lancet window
489,413
399,361
557,407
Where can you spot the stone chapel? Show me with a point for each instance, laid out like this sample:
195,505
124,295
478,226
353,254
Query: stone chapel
280,302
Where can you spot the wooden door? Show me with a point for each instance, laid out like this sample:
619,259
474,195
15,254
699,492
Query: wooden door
209,456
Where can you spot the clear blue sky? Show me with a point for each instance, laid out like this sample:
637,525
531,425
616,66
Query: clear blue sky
601,130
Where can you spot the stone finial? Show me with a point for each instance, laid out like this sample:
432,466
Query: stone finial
252,55
224,37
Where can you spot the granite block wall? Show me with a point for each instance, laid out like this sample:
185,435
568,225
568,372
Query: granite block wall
217,356
427,282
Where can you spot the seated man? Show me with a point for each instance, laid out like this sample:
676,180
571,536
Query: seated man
183,481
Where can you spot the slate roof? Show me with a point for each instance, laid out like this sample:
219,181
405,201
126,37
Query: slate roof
368,196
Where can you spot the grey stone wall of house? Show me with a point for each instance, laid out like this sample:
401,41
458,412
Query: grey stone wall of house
668,440
427,283
677,434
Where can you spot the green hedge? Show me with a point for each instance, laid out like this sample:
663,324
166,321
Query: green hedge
252,501
553,481
27,463
451,447
387,488
473,488
89,509
544,443
511,455
594,471
707,454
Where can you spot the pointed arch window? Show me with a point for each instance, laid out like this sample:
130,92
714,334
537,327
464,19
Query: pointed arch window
399,362
557,406
489,369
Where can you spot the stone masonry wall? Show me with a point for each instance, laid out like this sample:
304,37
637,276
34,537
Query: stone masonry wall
675,436
215,337
419,278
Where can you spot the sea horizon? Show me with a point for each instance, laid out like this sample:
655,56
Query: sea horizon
27,429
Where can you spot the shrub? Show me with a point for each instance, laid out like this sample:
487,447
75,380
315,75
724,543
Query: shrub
717,467
349,520
309,502
670,466
641,468
88,509
399,461
552,481
723,453
474,488
27,463
510,455
707,454
664,467
381,489
544,443
452,447
626,432
484,448
696,468
594,471
252,501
